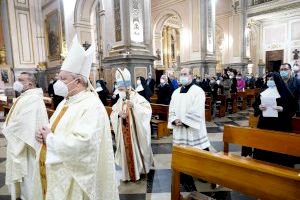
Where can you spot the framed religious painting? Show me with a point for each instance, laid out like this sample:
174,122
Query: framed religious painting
53,35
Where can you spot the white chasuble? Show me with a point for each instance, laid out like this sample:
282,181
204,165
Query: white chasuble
190,109
142,114
26,117
79,158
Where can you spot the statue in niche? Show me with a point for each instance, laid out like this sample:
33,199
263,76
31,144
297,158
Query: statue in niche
158,54
296,56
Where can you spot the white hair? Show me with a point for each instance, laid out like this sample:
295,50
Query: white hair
82,78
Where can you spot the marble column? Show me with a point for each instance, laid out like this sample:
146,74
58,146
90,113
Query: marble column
207,32
165,47
133,38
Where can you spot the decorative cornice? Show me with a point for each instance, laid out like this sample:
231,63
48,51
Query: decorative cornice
166,4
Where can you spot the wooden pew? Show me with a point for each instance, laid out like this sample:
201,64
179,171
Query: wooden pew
295,123
208,108
242,100
251,94
222,107
252,177
162,111
234,103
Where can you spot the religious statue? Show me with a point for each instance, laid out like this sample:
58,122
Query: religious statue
158,54
296,56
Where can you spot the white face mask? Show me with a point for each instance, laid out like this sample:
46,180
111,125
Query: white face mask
122,94
218,82
295,68
138,82
184,80
61,89
162,81
18,86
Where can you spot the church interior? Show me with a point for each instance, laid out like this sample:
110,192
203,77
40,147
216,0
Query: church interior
153,39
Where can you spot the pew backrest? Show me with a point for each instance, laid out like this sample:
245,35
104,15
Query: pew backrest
275,141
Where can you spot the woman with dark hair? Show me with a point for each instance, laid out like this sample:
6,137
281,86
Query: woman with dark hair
102,91
142,88
286,108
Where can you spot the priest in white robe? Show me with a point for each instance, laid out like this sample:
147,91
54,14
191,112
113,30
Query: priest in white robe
187,114
27,115
130,119
78,151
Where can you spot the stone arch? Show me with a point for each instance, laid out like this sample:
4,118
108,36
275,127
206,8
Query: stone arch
158,26
83,12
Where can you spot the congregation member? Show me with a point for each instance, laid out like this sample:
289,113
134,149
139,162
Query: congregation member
130,120
56,99
26,116
164,91
76,161
293,83
187,117
280,120
102,91
151,83
142,88
296,69
240,83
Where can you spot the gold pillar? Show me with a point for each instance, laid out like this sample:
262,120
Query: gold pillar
169,40
165,47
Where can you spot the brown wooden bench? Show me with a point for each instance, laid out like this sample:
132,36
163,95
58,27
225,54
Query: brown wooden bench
295,123
222,106
242,100
208,109
162,111
250,95
252,177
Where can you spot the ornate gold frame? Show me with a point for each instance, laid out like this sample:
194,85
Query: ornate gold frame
58,33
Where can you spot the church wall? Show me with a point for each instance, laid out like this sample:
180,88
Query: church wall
281,35
23,30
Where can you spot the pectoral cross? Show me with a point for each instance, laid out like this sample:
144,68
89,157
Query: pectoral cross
86,45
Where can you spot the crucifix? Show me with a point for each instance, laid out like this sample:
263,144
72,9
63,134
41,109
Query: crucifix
296,56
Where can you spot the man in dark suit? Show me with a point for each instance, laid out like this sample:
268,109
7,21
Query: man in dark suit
151,82
164,92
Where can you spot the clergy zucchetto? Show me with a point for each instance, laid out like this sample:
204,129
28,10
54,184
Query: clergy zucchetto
130,119
27,115
76,161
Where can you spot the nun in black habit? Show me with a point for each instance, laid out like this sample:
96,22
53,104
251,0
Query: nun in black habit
286,107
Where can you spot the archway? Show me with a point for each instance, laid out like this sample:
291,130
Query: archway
166,39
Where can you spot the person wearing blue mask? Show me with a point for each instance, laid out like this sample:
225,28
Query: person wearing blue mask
285,106
293,83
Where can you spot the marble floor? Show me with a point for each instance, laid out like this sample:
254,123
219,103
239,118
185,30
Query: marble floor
158,183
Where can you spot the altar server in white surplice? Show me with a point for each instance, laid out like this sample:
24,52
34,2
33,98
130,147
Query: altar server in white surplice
187,114
27,115
130,119
77,162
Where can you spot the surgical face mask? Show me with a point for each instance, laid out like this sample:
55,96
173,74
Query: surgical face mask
231,77
184,80
296,68
51,82
271,83
238,77
212,81
198,80
162,81
284,74
18,86
138,82
218,82
61,89
122,94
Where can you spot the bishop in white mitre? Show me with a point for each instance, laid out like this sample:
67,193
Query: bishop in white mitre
26,116
77,154
187,114
130,119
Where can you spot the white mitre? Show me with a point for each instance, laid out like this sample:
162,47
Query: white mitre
120,74
78,60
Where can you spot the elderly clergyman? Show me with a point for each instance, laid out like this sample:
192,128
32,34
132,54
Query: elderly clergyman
130,119
27,115
77,161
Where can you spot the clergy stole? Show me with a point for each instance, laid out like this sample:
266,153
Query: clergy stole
11,111
44,151
127,142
